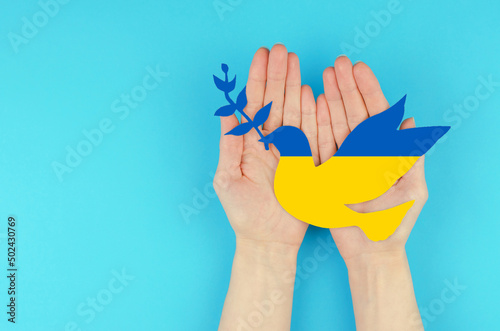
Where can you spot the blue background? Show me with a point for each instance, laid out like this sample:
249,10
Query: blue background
119,208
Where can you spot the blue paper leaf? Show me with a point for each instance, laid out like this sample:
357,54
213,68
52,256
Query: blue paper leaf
221,85
226,110
262,115
224,67
231,85
241,129
241,101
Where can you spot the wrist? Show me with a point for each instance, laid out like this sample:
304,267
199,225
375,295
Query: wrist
382,292
377,260
265,266
271,255
261,282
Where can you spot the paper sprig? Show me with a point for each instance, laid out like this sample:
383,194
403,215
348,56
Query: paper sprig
227,86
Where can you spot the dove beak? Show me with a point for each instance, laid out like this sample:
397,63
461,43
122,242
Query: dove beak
267,139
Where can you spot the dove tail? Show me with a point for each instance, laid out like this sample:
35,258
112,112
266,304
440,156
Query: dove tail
381,224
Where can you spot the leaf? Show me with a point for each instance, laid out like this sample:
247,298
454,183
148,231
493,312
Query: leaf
231,85
226,110
241,101
262,115
221,85
241,129
224,67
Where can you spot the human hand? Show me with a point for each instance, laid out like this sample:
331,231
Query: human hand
267,237
352,94
379,274
244,180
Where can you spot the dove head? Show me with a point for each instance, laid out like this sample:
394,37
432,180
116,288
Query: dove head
289,140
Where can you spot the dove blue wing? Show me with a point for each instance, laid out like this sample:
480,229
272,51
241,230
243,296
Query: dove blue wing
379,136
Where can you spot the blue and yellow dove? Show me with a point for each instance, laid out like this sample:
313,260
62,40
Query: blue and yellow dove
370,160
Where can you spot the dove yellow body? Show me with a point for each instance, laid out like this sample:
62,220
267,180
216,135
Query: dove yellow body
318,195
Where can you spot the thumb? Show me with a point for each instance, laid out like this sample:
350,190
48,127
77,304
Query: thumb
231,147
407,124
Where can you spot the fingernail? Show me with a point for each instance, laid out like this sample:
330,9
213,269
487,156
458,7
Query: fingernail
341,55
357,62
279,44
264,47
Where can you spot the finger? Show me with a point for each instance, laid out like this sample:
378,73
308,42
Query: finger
335,105
403,231
309,125
275,87
391,199
291,112
411,186
388,200
418,167
255,89
326,141
395,195
369,87
256,84
231,148
407,124
355,108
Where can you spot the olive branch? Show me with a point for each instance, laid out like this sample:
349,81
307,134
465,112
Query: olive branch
241,101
